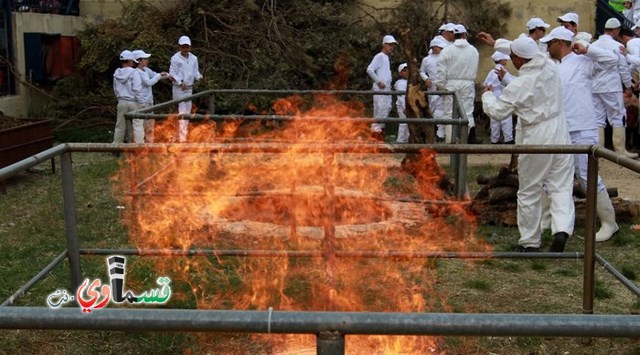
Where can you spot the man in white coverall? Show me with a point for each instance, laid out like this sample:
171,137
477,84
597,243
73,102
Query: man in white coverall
608,89
184,72
379,70
456,71
128,89
148,78
575,65
536,98
428,72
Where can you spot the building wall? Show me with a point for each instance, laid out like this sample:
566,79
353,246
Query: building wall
548,10
92,11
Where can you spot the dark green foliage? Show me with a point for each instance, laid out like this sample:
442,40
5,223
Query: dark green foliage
303,44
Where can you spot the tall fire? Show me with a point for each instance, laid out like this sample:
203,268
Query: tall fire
317,224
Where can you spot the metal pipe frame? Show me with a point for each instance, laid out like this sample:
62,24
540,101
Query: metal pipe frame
213,92
338,253
39,276
330,327
295,322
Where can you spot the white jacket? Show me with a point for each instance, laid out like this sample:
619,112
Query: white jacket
607,76
493,80
576,76
148,78
536,98
379,70
400,85
429,66
184,70
458,62
127,85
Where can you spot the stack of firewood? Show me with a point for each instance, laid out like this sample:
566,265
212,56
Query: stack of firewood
496,202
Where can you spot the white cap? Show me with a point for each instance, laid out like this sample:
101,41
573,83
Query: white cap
449,26
388,39
569,17
612,23
457,29
536,22
127,55
498,56
438,41
184,40
442,27
634,27
558,33
401,67
525,47
139,53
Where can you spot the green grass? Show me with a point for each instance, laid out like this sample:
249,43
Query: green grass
32,234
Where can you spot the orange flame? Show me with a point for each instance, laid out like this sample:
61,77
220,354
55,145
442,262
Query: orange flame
330,203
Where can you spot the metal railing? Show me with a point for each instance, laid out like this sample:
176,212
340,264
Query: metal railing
329,327
457,161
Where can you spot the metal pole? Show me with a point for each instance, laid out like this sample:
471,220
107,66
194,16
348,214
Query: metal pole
459,324
338,253
618,275
68,195
330,343
461,192
39,276
329,226
454,159
588,288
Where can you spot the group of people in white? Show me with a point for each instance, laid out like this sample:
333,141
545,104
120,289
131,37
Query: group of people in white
567,88
132,85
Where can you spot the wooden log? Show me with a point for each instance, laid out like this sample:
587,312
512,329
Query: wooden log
417,104
505,213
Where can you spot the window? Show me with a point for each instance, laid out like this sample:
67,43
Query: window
50,56
7,83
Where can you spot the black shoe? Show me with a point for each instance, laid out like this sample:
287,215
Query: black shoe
510,142
439,140
559,241
520,249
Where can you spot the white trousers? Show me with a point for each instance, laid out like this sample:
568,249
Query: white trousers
555,172
120,129
436,103
609,107
403,128
505,126
183,108
466,91
587,137
381,108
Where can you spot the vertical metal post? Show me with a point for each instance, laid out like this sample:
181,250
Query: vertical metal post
68,195
588,288
330,343
329,226
212,104
454,159
461,178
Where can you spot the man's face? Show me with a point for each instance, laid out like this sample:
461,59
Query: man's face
449,36
571,26
628,4
553,47
436,49
538,33
388,47
517,61
184,49
637,32
404,73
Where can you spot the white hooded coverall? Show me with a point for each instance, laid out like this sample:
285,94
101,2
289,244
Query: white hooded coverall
456,71
379,70
127,87
536,98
